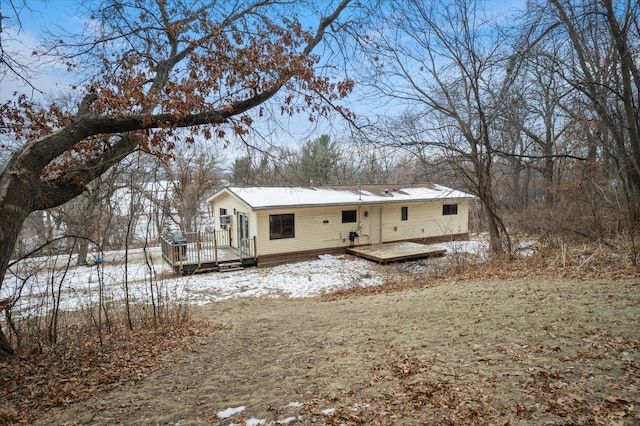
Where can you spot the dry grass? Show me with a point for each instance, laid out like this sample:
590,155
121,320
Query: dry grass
582,262
532,342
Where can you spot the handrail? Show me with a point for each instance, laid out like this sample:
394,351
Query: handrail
203,248
247,249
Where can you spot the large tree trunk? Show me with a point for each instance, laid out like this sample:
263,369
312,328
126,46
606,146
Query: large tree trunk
497,231
5,347
23,189
499,241
547,170
13,212
495,237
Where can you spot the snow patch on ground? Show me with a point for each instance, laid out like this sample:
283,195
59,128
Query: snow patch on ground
56,287
472,247
229,412
225,414
81,287
303,279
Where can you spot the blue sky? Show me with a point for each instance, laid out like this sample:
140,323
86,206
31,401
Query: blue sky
21,41
42,15
54,80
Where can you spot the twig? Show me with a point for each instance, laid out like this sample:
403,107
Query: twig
589,258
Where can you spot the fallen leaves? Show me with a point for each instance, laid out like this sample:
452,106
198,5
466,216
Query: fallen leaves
32,385
415,388
545,352
576,375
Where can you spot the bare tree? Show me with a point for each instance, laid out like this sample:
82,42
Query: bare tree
601,63
158,66
446,62
535,122
192,176
12,64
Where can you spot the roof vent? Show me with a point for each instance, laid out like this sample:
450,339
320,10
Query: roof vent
386,193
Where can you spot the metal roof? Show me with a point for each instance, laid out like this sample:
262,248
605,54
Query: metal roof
264,197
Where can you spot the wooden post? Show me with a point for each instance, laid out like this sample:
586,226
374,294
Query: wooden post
255,250
215,247
198,248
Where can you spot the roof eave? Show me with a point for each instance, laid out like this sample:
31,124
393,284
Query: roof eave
229,192
360,203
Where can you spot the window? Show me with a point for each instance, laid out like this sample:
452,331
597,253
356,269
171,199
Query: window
405,213
448,209
225,219
281,226
349,216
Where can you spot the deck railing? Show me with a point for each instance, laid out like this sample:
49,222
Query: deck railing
203,248
247,248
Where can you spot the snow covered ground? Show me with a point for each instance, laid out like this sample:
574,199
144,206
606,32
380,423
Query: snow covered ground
80,287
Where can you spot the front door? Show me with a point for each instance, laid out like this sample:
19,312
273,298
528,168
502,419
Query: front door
243,233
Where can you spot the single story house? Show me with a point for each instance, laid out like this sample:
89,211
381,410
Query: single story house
286,223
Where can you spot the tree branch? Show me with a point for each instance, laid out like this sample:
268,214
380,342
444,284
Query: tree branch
54,193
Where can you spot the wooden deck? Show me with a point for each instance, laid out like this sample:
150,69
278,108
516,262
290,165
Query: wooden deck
396,252
204,252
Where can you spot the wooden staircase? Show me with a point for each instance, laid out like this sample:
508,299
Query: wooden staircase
230,266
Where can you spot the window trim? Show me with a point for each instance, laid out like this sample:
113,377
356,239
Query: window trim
348,219
449,209
282,235
404,213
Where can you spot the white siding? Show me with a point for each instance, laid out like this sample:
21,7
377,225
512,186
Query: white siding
311,231
425,219
322,227
233,206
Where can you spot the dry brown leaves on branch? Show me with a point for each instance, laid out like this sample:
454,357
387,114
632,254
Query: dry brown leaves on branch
34,384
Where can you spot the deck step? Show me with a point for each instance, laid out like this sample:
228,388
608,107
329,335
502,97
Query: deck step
230,266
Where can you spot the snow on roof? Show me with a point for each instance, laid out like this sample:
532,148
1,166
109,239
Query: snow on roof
270,197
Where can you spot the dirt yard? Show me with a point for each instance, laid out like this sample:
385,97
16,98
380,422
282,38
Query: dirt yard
481,352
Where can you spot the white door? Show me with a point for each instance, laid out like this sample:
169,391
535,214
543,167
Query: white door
243,232
375,225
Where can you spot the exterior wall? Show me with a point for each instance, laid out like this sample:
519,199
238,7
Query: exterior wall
275,259
311,231
318,228
425,220
233,204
